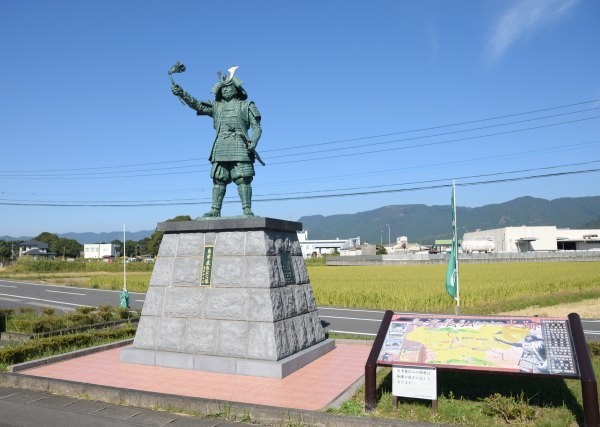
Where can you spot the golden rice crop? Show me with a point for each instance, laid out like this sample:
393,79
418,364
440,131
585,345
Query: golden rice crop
484,288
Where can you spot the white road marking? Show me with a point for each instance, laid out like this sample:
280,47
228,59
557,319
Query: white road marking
351,333
61,292
7,286
351,309
350,318
45,300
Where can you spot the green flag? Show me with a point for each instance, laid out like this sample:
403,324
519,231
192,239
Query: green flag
452,272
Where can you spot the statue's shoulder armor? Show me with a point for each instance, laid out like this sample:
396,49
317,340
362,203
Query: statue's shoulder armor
254,110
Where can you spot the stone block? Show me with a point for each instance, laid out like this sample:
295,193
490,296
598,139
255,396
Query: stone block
310,330
162,272
168,245
191,244
170,334
300,299
300,269
186,271
174,360
137,355
210,239
288,302
317,327
256,243
260,306
230,243
261,341
184,301
281,340
224,365
261,272
201,336
300,331
292,338
227,304
232,339
277,304
153,303
228,271
310,297
296,248
145,336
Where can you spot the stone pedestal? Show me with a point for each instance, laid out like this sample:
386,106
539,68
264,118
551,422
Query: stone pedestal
229,295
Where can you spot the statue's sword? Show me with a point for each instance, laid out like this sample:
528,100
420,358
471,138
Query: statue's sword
247,143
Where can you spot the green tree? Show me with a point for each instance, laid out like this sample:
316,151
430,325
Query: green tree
51,240
5,250
380,250
69,247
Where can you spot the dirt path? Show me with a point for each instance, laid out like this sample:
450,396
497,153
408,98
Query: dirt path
587,309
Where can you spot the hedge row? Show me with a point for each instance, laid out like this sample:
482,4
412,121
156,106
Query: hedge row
42,347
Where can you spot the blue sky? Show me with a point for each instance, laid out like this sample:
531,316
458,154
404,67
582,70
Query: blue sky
384,102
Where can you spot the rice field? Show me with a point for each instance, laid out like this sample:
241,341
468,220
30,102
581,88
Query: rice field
484,288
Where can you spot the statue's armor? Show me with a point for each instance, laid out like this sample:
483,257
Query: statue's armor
231,120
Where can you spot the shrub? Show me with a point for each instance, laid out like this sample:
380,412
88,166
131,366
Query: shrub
12,354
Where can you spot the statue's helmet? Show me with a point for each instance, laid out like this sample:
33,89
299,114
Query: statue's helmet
227,80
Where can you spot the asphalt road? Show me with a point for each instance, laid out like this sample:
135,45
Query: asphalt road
24,408
62,298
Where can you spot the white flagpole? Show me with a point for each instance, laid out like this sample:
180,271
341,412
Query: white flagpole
456,247
124,262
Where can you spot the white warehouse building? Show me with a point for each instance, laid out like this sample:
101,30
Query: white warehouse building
537,238
314,248
100,250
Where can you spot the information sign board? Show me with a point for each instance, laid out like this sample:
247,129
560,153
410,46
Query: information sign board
418,382
510,344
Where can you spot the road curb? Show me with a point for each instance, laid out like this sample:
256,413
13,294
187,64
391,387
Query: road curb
209,408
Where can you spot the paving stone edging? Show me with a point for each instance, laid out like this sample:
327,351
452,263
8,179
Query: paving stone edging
207,407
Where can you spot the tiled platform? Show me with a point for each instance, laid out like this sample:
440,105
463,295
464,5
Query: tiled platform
311,388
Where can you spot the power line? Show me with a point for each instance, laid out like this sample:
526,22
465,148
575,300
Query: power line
318,196
127,174
320,144
435,127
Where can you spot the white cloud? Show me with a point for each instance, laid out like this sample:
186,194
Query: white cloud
525,18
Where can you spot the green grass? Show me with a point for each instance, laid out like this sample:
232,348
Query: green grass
475,399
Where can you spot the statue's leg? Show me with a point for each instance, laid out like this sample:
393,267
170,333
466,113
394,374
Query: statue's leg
245,192
218,194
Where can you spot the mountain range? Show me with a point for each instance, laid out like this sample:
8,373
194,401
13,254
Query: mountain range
419,223
424,224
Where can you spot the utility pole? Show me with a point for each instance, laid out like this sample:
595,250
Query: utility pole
389,235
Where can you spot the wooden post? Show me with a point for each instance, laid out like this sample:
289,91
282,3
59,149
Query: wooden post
371,365
589,387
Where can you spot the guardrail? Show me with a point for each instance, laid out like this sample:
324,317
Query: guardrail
472,258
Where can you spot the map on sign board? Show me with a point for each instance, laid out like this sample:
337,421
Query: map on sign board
512,344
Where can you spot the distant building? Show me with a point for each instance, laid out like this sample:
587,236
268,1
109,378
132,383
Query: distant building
538,238
316,248
35,249
100,250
